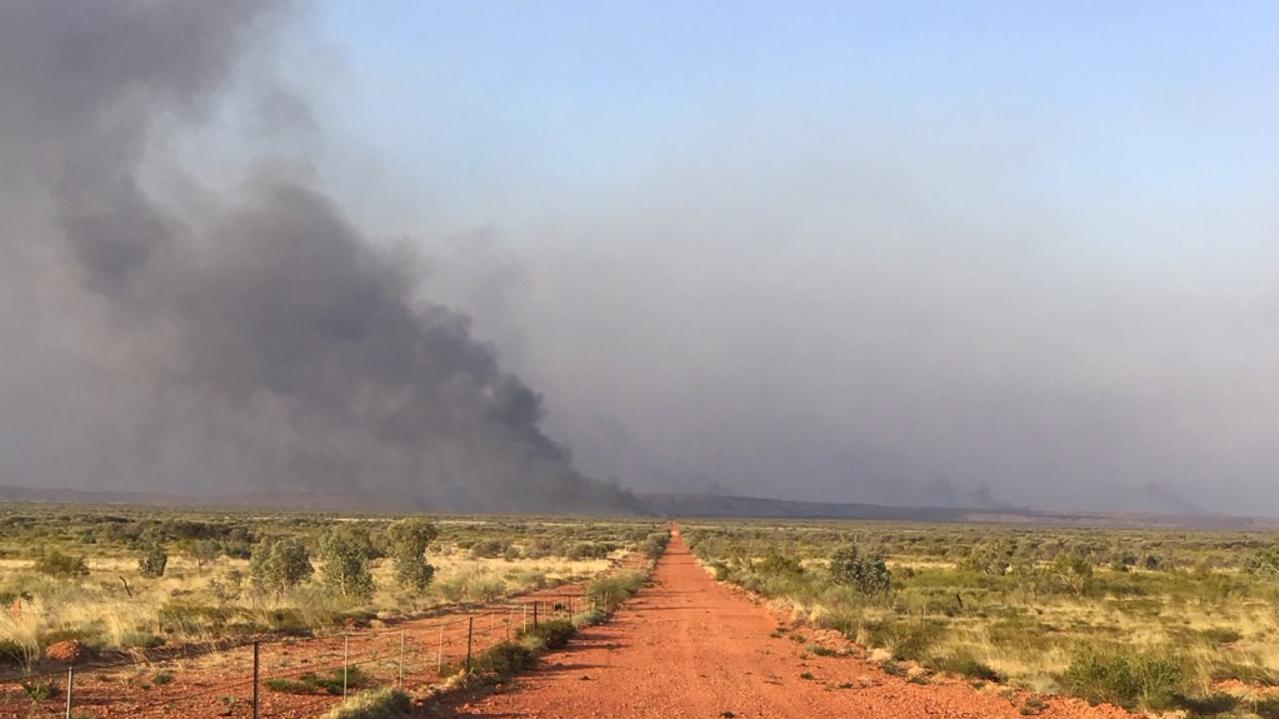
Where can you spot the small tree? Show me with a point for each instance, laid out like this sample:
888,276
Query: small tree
279,564
57,564
868,575
204,551
152,563
345,553
408,540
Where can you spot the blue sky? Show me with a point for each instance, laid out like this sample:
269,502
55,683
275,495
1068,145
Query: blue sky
997,228
1157,100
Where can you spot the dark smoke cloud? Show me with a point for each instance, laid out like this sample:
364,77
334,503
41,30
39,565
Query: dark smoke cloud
162,334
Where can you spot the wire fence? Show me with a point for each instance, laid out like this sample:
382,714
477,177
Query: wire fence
281,677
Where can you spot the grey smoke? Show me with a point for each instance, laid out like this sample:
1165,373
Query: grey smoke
166,332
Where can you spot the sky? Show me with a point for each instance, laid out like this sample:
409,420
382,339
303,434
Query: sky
943,253
919,253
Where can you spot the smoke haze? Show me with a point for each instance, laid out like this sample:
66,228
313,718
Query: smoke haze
160,334
1018,256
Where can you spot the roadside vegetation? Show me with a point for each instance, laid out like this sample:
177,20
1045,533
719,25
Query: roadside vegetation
1157,621
115,579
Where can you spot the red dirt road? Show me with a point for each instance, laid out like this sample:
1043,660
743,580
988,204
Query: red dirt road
689,647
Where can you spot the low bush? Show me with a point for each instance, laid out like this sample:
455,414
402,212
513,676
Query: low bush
589,618
1124,679
153,563
140,640
867,575
555,633
966,665
40,691
505,659
388,703
654,546
56,564
609,592
490,548
312,683
590,550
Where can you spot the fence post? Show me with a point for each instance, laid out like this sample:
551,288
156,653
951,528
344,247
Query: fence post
524,617
439,658
470,625
346,659
535,614
70,688
257,664
401,683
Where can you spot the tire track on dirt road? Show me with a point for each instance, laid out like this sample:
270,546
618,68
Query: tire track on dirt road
689,647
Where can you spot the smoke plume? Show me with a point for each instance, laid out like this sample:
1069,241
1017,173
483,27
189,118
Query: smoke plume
165,331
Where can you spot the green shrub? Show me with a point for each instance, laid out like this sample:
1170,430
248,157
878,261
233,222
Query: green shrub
505,659
1124,679
867,575
152,564
490,548
588,618
609,592
56,564
388,703
590,550
779,565
40,691
555,633
312,683
140,640
654,546
965,664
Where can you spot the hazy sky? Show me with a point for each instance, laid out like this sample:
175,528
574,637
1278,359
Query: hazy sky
911,253
901,252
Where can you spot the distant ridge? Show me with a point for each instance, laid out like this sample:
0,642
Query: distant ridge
708,505
664,504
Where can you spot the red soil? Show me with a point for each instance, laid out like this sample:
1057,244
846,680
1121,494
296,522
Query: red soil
689,647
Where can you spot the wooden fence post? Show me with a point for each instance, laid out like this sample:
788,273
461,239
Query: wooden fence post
257,667
70,688
470,626
401,681
346,660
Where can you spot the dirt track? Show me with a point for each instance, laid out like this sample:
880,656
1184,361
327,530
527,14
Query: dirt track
688,647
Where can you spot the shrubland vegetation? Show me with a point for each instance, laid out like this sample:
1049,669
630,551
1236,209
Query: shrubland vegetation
1155,620
119,578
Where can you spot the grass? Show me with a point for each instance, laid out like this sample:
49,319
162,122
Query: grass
554,633
609,592
506,659
331,682
91,587
1125,679
1148,618
388,703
